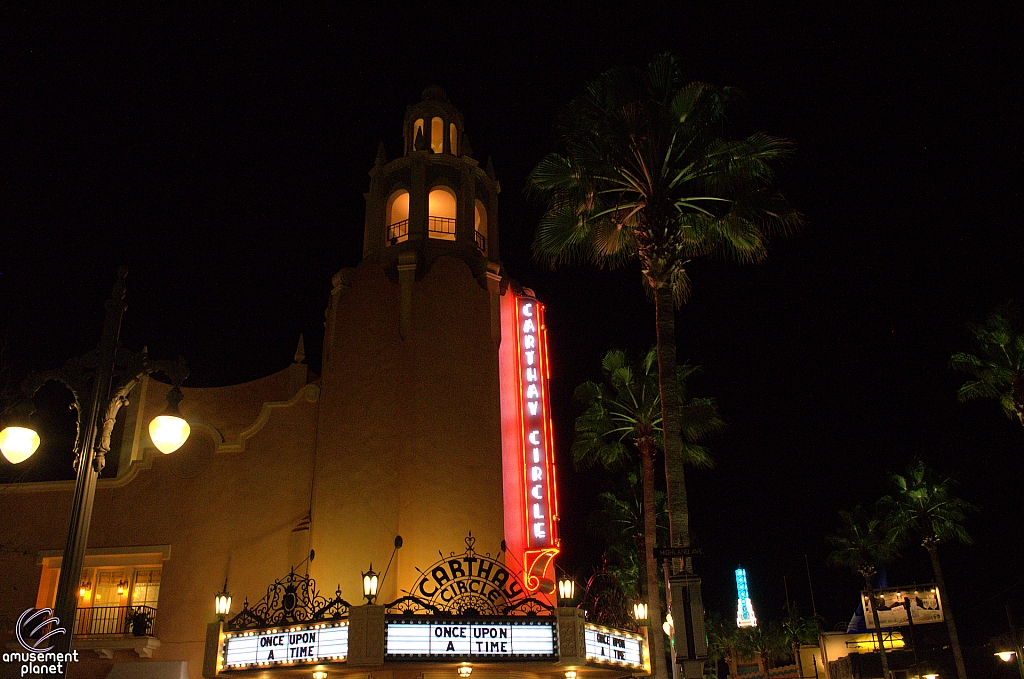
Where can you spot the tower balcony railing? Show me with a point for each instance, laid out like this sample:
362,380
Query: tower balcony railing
398,232
441,227
481,241
115,620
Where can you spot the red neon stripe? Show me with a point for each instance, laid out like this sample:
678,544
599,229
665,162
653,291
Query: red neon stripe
548,435
551,446
522,425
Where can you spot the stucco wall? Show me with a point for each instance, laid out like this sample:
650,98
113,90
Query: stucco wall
409,437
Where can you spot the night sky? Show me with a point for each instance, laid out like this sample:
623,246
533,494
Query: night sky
222,156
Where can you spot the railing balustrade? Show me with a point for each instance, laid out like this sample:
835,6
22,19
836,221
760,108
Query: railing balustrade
441,225
398,231
136,621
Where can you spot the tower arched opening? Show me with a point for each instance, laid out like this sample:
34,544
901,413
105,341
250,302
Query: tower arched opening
480,225
441,210
398,217
436,135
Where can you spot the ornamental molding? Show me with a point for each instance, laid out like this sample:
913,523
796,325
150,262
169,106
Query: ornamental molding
309,393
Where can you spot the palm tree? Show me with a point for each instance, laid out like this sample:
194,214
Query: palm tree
644,173
726,642
619,523
625,415
998,367
865,542
769,642
799,631
924,506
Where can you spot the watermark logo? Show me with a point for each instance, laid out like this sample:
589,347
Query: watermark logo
35,631
31,623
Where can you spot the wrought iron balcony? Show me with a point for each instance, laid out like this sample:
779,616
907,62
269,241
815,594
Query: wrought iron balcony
135,621
442,227
398,232
481,241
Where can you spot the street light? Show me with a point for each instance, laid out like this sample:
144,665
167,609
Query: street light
169,430
105,377
640,611
19,440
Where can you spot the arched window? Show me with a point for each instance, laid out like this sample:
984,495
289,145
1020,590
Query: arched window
436,135
453,139
398,217
480,226
441,213
417,134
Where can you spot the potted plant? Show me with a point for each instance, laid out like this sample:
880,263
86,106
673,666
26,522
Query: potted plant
139,621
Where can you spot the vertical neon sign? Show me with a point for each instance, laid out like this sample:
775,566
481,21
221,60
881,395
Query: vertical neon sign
531,510
744,608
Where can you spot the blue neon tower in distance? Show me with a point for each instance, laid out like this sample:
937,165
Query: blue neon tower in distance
744,609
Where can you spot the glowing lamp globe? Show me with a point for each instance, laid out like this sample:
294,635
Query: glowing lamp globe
640,611
18,443
168,433
169,430
1005,656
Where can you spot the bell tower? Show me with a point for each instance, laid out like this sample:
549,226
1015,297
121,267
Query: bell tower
409,436
433,201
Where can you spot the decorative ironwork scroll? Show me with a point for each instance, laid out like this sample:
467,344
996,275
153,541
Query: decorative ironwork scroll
412,605
468,584
531,607
292,599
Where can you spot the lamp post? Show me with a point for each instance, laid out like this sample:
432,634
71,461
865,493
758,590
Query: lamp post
1017,651
910,622
106,375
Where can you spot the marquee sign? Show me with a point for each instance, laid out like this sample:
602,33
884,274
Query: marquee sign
468,584
298,644
506,640
527,439
614,647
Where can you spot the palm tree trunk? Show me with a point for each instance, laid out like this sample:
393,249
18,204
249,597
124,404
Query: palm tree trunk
656,636
675,475
947,611
878,628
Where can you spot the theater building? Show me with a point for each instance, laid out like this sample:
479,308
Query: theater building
422,452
